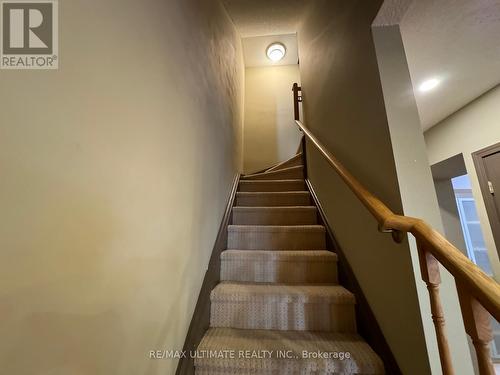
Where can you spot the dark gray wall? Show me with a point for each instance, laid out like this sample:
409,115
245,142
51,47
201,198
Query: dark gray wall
442,173
344,108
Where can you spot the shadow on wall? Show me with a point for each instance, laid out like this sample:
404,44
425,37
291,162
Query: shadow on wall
270,134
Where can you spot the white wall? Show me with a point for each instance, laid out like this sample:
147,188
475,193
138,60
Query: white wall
270,134
470,129
115,172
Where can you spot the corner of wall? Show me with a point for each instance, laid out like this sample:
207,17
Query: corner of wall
417,189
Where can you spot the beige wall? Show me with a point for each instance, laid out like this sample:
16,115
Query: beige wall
418,193
344,108
115,174
270,134
471,129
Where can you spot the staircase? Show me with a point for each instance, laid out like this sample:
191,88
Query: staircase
278,308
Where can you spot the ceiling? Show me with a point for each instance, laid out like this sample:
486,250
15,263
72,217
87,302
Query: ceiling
265,17
262,22
456,41
254,50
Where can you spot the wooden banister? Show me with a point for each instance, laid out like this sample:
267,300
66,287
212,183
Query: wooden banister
476,290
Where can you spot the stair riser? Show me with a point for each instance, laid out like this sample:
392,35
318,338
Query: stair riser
253,186
283,316
241,240
272,200
274,217
280,367
279,272
280,175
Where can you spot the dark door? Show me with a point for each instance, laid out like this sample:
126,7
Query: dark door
488,168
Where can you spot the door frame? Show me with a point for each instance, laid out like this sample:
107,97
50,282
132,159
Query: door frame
478,157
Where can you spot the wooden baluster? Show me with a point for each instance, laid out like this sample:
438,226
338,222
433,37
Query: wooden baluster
478,327
429,267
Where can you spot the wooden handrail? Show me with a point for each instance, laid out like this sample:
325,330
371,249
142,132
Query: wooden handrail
472,283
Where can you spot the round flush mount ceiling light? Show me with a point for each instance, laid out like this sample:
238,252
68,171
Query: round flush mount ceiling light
276,51
429,85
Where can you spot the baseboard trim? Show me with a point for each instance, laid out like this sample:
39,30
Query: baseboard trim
368,326
201,316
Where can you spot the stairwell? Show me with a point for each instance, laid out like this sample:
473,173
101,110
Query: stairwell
278,306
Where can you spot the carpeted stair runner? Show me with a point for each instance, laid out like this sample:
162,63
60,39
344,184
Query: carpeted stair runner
291,173
287,215
282,307
272,185
278,309
285,267
276,237
273,198
296,161
362,360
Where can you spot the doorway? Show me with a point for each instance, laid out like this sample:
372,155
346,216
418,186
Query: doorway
461,222
487,162
458,210
469,221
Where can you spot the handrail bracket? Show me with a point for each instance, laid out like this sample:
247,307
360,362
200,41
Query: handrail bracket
397,235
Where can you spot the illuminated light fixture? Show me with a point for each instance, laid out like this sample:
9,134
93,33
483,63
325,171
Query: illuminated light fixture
429,85
276,51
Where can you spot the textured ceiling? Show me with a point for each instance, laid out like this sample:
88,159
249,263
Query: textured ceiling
457,41
265,17
392,12
254,50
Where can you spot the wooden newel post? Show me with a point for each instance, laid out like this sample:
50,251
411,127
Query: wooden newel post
478,327
296,100
429,267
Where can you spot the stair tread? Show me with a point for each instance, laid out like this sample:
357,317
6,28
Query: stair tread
260,214
276,237
298,167
272,198
295,172
307,293
274,208
248,193
293,161
363,359
283,181
276,228
272,185
281,255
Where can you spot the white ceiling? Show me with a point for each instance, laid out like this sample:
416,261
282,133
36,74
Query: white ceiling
265,17
457,41
262,22
254,50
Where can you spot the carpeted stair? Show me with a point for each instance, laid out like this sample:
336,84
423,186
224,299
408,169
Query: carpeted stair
289,173
278,309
